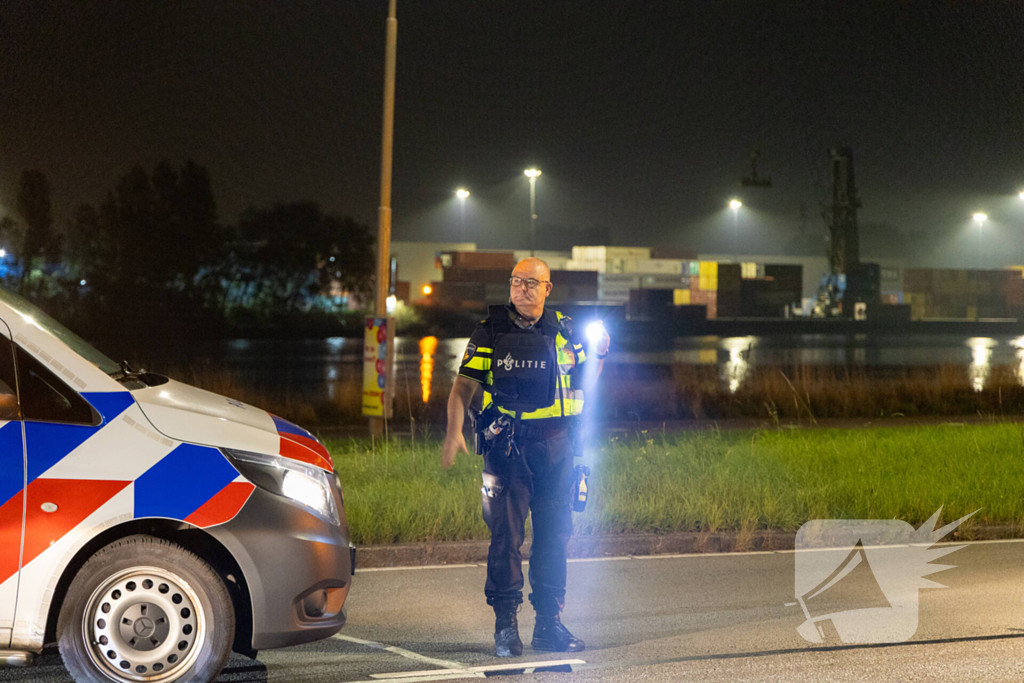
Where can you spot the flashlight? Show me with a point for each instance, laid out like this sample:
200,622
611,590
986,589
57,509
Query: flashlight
595,331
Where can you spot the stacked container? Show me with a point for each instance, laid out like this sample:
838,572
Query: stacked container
961,294
730,277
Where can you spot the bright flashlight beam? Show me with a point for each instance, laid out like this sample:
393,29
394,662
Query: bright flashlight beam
595,331
462,194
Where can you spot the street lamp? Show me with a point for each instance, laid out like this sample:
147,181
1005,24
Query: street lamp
462,193
980,219
532,174
735,205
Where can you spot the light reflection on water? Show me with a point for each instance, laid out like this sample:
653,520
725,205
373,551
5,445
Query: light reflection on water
981,360
329,369
736,369
1018,344
428,346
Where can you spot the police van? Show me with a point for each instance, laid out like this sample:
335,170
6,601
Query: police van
149,527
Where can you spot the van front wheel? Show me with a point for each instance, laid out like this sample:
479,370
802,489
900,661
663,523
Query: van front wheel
145,609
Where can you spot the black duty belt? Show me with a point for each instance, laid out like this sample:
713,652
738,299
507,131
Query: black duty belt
540,432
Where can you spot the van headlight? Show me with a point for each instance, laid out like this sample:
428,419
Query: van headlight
306,485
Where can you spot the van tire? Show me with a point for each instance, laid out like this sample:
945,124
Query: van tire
133,577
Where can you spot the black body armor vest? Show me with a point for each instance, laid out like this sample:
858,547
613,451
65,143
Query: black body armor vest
524,366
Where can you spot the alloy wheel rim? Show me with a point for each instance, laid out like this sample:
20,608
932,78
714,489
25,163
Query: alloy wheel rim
144,624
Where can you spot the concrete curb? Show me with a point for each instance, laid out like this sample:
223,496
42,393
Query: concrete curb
618,545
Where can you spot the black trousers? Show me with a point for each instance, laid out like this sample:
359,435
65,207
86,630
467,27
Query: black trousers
537,481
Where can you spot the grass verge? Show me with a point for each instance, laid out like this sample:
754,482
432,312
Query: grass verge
710,481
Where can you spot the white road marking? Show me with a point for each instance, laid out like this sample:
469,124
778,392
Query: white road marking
432,677
426,566
601,559
480,670
444,663
672,556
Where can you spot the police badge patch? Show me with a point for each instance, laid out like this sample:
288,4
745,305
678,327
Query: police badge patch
470,350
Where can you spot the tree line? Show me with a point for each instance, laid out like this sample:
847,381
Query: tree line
153,254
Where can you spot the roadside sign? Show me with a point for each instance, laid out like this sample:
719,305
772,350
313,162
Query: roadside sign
378,359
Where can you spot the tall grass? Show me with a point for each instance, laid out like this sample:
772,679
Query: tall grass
816,391
649,393
711,481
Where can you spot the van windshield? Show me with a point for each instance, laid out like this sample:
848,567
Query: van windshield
40,319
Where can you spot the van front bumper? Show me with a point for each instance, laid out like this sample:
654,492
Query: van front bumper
297,568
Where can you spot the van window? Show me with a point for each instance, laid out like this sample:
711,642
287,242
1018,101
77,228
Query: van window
8,383
40,319
46,398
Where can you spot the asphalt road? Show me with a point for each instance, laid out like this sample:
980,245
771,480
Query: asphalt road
666,618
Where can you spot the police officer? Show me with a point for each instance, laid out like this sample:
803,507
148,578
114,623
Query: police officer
533,374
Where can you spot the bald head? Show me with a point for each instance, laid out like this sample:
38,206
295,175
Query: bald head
530,302
538,269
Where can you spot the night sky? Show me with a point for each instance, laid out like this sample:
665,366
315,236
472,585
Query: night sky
642,115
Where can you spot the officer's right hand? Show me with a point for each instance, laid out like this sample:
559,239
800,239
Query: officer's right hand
452,444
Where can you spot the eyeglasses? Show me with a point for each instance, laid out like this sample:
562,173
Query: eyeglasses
530,283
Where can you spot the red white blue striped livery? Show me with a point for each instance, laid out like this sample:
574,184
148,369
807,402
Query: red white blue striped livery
150,526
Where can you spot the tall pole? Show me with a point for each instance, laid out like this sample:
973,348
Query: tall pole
533,216
980,219
462,218
462,193
736,234
735,205
384,212
532,174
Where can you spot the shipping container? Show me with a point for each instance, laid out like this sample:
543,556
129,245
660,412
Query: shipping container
649,304
582,264
790,277
766,298
729,277
456,274
727,303
656,266
484,260
674,253
663,281
708,278
602,253
568,277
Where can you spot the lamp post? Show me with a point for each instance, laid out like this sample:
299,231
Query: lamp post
980,219
384,211
462,193
735,205
532,174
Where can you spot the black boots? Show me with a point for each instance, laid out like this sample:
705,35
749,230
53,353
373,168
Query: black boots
549,634
506,630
